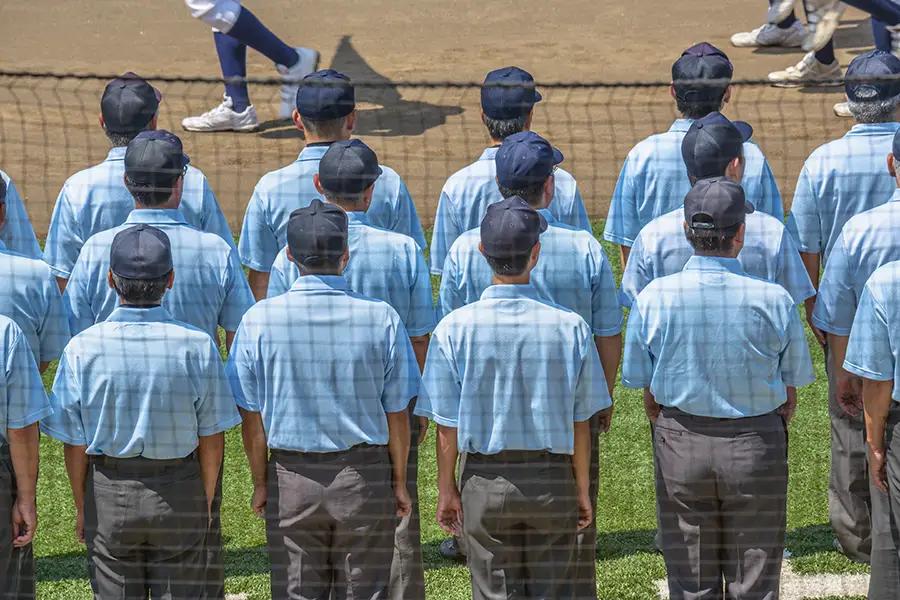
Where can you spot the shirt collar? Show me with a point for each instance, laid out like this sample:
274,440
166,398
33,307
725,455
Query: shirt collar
315,283
358,217
714,263
156,216
681,125
548,216
116,153
509,292
313,153
874,128
489,153
125,314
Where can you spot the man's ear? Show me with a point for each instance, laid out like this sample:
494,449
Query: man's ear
672,89
528,120
350,123
727,98
481,249
102,122
318,184
891,165
109,280
171,280
298,122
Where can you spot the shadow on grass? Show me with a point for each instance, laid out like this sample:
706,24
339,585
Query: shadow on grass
812,539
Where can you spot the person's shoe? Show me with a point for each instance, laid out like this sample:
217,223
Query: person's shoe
308,63
779,11
450,550
808,71
223,118
656,545
771,35
842,109
895,39
823,21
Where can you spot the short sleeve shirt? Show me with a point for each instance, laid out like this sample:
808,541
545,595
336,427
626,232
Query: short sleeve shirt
23,400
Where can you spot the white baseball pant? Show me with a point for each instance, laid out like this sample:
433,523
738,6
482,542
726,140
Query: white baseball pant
221,15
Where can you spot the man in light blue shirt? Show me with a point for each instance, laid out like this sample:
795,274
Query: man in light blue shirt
324,378
95,199
210,291
653,180
17,233
714,147
141,403
720,408
326,113
513,380
507,107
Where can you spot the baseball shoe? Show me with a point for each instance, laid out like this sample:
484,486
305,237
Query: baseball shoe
308,63
771,35
823,21
842,109
808,71
895,39
223,118
450,550
779,11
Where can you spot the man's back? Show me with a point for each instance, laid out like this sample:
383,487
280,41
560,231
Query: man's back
18,234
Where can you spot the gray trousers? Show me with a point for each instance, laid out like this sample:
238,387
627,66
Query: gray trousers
721,488
215,567
586,540
520,522
145,524
884,584
16,564
330,521
407,571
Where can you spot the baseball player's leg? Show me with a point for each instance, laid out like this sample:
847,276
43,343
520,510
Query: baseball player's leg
819,64
884,583
782,29
407,570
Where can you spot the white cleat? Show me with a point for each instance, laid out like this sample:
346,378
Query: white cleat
842,109
308,63
808,71
223,118
895,39
779,11
823,22
771,35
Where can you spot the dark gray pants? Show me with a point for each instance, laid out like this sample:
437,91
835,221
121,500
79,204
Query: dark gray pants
884,583
330,521
520,522
215,567
407,570
16,564
721,488
586,561
145,523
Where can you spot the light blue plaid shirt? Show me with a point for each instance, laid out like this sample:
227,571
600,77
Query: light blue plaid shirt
209,291
140,384
30,296
654,181
840,179
23,400
769,253
323,366
512,372
281,192
383,265
96,199
715,342
18,234
468,193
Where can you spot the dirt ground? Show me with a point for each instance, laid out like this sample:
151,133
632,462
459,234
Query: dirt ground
48,128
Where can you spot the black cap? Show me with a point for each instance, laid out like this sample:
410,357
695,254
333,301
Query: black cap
715,203
317,233
703,61
511,228
348,167
895,148
712,143
155,158
325,95
512,94
876,64
128,103
525,158
140,252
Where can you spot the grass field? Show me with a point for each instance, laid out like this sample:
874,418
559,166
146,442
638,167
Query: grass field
627,566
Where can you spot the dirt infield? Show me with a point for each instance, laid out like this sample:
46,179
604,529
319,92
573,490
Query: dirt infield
48,129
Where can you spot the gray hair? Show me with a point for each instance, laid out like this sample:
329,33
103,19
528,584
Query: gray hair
500,129
878,111
532,194
119,139
141,291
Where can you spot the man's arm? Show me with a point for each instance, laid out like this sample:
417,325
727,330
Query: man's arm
610,350
23,449
257,451
877,402
77,469
581,464
420,348
624,252
212,451
259,283
45,364
398,447
62,283
449,510
812,261
849,386
229,340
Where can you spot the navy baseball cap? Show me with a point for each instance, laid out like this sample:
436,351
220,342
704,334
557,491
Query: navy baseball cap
702,61
140,252
711,143
348,167
895,148
876,64
325,95
128,103
525,158
155,158
512,94
716,203
511,228
317,233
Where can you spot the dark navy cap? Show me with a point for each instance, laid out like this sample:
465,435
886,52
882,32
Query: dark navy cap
876,64
2,190
703,61
140,252
325,95
511,228
155,158
512,94
128,103
525,158
716,203
895,149
317,233
712,143
348,167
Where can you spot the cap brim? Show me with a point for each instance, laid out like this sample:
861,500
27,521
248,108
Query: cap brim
187,159
537,96
749,208
158,94
557,156
543,222
745,129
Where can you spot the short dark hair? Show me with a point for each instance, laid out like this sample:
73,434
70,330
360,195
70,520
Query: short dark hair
151,195
512,266
320,266
698,110
141,291
712,241
332,128
533,194
121,139
500,129
348,200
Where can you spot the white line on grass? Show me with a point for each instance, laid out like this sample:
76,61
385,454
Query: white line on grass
236,596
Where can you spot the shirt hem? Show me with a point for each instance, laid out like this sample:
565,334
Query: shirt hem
30,419
634,385
252,264
616,239
436,418
828,328
62,437
802,382
420,331
57,272
609,331
865,373
219,427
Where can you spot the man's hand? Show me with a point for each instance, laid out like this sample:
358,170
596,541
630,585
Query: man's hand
604,419
820,335
404,502
849,393
585,511
79,527
24,521
651,407
787,409
258,504
449,512
423,430
877,469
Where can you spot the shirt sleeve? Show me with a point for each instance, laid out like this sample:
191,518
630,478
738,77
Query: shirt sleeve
579,217
213,219
280,279
54,331
591,392
406,219
796,364
637,363
441,386
18,234
241,371
26,398
622,221
64,239
770,196
258,244
804,218
65,423
401,373
77,297
450,297
606,314
421,319
792,275
445,232
216,410
836,302
636,276
869,352
238,296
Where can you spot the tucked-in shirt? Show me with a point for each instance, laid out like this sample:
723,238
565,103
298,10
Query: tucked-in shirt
18,234
30,296
654,181
383,265
323,365
23,400
512,372
715,342
769,252
867,241
281,192
572,271
96,199
839,180
467,194
140,384
209,290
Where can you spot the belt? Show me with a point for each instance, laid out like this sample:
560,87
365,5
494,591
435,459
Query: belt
327,457
519,456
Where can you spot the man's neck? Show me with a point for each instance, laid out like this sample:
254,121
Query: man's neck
310,140
166,206
523,279
125,304
729,254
